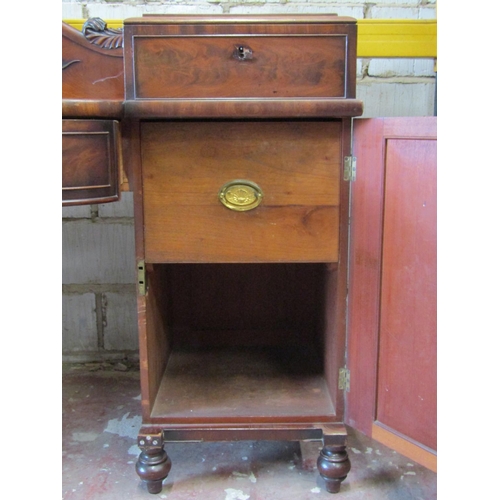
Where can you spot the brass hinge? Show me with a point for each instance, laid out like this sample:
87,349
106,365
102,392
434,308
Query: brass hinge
344,379
141,277
349,168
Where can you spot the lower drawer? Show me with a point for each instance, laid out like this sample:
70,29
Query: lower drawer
241,191
90,161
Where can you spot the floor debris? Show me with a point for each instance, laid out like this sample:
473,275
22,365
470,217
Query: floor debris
99,451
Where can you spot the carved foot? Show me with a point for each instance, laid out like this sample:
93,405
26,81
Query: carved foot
153,464
333,462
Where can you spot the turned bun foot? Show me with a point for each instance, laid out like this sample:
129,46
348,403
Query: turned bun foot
333,466
153,466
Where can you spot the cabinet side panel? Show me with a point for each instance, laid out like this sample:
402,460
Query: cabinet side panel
331,340
157,343
336,287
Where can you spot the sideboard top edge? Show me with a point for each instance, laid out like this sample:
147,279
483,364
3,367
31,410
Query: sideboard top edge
237,19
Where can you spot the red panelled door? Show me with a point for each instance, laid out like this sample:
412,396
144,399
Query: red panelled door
392,292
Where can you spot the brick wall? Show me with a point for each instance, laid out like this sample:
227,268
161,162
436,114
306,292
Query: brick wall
99,316
99,308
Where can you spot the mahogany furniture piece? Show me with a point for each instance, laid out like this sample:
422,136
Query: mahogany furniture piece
236,133
93,92
239,127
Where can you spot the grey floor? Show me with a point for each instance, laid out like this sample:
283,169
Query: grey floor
101,418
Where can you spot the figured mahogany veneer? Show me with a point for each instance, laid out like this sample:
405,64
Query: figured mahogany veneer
241,66
272,66
90,156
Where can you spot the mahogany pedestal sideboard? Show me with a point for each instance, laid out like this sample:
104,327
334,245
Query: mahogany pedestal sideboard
237,132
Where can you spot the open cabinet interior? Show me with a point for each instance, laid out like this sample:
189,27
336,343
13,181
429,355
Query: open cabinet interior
240,300
240,342
242,317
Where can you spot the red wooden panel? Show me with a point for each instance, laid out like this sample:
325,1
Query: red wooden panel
407,353
375,355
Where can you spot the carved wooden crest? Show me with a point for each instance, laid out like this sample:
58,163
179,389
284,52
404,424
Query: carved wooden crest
96,31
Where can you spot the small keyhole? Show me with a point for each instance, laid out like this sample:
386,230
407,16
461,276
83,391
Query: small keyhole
242,53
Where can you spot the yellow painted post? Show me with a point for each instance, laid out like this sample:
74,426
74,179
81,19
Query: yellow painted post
397,38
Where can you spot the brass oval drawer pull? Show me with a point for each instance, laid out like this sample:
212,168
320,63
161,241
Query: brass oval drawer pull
240,195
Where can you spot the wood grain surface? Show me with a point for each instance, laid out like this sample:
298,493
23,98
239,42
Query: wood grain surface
89,71
407,384
90,161
296,164
309,56
205,67
243,385
392,295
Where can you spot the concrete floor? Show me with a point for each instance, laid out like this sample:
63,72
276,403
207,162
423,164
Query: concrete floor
101,418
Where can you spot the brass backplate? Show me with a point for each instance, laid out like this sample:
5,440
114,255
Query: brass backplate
240,195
